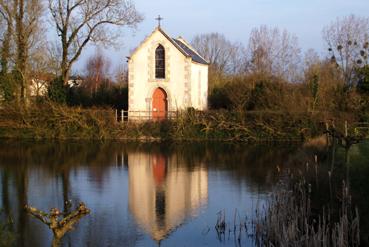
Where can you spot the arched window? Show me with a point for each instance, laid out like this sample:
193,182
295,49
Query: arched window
160,62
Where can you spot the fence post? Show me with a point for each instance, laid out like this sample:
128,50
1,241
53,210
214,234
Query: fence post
116,115
122,115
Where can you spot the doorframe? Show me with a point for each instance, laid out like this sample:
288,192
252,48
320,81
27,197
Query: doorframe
150,93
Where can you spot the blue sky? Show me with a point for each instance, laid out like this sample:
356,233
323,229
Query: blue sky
235,19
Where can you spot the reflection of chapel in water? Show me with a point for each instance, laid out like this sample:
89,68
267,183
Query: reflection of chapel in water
163,192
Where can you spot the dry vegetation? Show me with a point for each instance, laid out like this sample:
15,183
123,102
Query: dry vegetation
50,120
289,217
265,90
289,220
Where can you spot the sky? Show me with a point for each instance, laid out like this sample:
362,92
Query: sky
233,18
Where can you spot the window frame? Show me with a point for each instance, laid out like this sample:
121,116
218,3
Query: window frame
160,63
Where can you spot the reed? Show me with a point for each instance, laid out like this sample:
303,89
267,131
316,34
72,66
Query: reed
287,218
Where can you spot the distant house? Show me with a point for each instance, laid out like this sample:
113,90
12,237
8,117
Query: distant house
75,81
38,87
39,84
164,75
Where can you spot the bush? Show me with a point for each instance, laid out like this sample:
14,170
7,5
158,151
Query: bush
362,75
7,87
106,96
57,91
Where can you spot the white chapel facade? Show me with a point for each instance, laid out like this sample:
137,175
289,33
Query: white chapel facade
166,75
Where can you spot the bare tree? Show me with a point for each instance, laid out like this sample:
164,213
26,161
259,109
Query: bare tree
223,55
311,58
79,22
121,75
274,52
347,42
97,68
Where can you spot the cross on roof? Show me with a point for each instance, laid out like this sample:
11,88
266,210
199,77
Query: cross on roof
159,19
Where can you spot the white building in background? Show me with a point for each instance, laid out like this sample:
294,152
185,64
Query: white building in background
166,74
38,87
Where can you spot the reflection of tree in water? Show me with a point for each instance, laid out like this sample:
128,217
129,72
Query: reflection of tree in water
359,174
254,165
56,160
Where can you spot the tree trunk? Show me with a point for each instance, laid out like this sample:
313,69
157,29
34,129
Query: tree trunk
64,64
21,50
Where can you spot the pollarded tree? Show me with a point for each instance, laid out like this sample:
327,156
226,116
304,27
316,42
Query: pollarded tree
79,22
273,52
347,42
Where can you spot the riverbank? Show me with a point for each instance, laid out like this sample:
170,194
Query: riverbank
53,121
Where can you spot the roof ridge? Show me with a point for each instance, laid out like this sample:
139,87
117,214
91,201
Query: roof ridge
173,42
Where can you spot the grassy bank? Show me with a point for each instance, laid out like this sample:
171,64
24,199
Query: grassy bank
53,121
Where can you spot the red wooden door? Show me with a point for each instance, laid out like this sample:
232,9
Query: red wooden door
159,104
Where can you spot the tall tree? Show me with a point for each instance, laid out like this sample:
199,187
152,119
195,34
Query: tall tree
21,26
274,52
27,16
79,22
347,42
6,12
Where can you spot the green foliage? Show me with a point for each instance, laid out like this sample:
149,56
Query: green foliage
268,94
106,96
362,75
218,99
7,87
314,87
57,91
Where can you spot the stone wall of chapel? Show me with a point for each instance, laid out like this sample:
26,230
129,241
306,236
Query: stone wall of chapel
142,81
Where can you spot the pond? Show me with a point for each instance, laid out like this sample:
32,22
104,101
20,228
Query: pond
145,194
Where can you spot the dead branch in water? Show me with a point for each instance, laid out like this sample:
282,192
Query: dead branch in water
59,226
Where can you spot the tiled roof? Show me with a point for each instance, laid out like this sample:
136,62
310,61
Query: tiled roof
195,57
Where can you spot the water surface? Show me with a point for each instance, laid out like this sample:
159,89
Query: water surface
139,194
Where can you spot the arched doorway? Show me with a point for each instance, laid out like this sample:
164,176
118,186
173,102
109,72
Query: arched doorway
159,104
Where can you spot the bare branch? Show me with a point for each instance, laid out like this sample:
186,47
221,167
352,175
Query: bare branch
81,22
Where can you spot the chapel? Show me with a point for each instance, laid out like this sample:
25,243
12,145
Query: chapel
165,75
